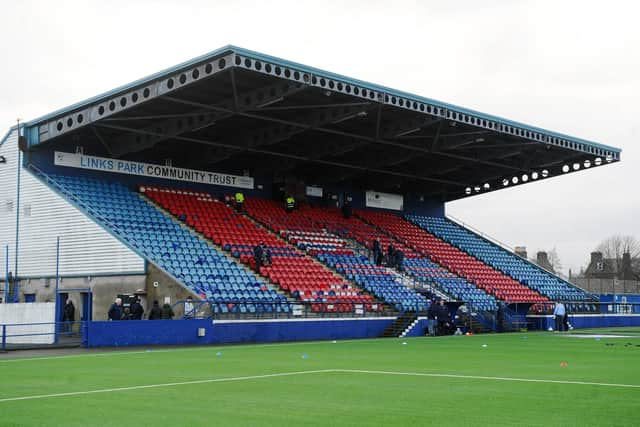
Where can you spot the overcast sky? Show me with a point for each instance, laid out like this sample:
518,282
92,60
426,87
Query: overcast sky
569,66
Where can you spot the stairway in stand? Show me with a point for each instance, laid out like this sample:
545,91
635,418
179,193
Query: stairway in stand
473,324
399,325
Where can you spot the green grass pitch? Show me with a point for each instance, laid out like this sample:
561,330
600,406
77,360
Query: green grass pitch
483,380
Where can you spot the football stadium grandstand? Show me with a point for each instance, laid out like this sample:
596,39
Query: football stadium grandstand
264,200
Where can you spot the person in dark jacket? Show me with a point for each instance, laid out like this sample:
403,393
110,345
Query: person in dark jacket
156,311
267,260
346,209
136,310
167,312
399,260
377,252
442,317
115,312
126,314
431,319
500,318
258,253
391,255
69,315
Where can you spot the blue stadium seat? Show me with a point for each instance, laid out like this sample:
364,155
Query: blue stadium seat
165,242
508,263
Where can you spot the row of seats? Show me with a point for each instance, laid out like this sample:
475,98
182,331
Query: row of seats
320,232
464,265
253,308
304,278
316,219
377,280
162,240
315,242
425,270
574,307
508,263
308,226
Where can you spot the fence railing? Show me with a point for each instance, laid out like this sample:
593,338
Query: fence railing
608,286
514,317
260,309
41,334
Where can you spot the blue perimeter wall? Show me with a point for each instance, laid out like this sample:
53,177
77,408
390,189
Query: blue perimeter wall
581,321
185,332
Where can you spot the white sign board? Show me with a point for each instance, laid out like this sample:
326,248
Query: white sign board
104,164
314,191
375,199
297,310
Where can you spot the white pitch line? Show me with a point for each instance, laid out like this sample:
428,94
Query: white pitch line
320,371
183,349
480,377
140,387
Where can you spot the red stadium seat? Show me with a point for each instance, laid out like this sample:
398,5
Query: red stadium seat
464,265
301,275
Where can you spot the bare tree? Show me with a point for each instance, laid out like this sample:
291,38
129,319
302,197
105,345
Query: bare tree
615,246
554,260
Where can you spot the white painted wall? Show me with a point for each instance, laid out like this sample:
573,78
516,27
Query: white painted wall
20,319
85,247
8,189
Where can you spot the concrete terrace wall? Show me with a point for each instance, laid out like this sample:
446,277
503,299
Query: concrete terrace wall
160,286
104,290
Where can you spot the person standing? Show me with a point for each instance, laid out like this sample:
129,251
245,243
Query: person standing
346,209
399,260
156,311
377,252
239,201
559,313
565,319
258,252
68,316
167,312
136,309
431,319
267,258
442,316
391,255
189,312
289,204
115,312
500,318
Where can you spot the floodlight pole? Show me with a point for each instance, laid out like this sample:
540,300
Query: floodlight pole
14,297
57,298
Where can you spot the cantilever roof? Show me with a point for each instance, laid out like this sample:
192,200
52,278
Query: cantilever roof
256,105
